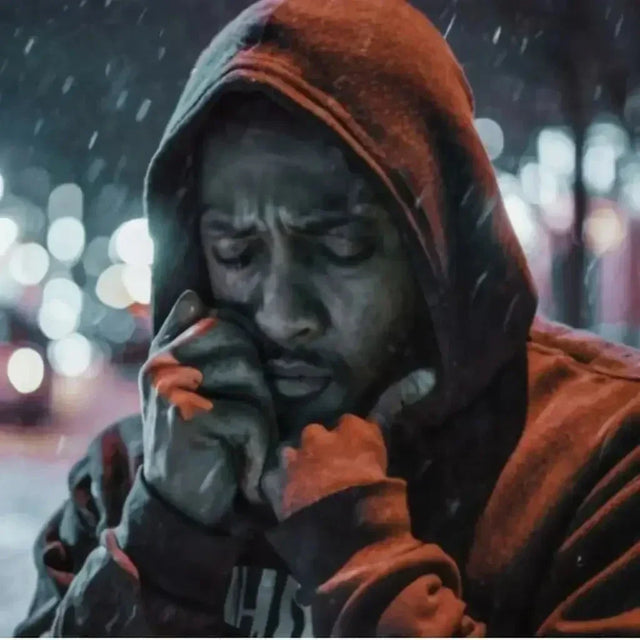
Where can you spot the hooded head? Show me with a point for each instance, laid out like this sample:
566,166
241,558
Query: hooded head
370,104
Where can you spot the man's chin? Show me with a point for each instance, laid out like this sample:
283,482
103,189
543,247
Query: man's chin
325,409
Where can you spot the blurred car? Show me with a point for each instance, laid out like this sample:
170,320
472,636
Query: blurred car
25,373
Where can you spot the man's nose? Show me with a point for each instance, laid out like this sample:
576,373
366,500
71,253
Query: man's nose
289,313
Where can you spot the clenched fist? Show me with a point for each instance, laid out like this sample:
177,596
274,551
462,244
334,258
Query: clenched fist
207,412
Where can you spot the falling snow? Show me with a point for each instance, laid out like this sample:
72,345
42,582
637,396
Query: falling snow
61,444
450,26
123,72
122,99
29,46
68,83
143,110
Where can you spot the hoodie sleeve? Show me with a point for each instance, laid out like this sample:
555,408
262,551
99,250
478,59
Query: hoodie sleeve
346,537
116,560
366,575
593,587
372,578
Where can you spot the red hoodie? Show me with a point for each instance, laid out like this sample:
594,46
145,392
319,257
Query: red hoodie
510,505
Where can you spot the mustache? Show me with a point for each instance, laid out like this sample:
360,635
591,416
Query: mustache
269,349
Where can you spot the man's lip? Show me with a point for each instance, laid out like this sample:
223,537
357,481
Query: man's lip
296,389
286,368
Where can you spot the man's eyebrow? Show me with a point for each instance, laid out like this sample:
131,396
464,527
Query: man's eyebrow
326,221
224,225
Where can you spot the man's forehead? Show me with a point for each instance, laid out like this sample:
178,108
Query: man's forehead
299,204
258,164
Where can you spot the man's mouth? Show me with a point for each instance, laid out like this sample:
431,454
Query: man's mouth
297,379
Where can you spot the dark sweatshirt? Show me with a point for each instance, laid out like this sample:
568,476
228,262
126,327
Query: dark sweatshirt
512,501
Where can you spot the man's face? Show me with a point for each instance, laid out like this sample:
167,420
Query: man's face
298,241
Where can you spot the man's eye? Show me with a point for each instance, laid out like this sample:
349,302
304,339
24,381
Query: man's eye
232,251
348,249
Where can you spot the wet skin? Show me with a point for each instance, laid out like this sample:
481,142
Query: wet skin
296,238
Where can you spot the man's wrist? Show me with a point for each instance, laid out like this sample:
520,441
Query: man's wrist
317,540
170,551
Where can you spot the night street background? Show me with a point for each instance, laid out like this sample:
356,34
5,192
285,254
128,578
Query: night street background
86,87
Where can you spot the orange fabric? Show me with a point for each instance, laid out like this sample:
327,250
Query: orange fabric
577,403
426,608
558,540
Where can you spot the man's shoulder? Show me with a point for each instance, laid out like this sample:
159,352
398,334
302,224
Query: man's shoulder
583,350
583,389
583,421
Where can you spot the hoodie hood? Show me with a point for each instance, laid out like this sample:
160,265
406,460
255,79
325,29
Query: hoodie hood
381,76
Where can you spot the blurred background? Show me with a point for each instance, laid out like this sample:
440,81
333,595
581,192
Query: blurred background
86,87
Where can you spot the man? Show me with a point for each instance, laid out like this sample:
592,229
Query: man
352,423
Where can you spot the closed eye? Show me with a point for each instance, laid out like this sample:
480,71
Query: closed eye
233,252
348,249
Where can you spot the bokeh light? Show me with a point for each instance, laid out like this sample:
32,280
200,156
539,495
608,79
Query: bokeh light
65,239
65,290
599,166
10,290
492,136
521,218
29,217
96,256
117,326
609,134
604,230
132,243
508,183
630,187
70,356
25,370
557,150
111,289
559,215
540,185
58,318
8,234
66,201
29,263
137,281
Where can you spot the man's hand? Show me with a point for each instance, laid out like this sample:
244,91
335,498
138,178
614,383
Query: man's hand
207,412
352,454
